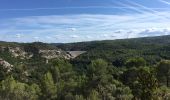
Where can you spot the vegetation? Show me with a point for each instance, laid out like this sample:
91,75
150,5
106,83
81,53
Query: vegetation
134,69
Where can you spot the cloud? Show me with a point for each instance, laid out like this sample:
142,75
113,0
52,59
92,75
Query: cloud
85,7
129,32
113,35
118,31
105,35
88,37
57,36
18,35
36,37
60,8
73,29
154,32
165,2
82,27
74,36
48,37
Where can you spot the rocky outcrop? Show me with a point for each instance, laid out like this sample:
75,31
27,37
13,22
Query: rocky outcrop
7,66
51,54
16,52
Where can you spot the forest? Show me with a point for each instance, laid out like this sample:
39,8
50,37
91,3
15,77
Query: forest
128,69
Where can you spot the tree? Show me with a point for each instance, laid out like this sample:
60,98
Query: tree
146,84
163,70
64,77
97,73
32,48
129,76
10,89
162,93
114,90
61,69
49,88
102,85
94,95
135,62
79,97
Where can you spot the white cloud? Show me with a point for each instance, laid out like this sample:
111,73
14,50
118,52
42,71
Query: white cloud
113,35
48,37
88,37
57,36
154,32
73,29
74,36
105,35
166,2
18,35
36,37
117,31
70,28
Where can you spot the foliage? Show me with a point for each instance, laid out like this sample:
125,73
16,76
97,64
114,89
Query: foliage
162,93
10,89
163,69
49,88
146,83
131,69
136,62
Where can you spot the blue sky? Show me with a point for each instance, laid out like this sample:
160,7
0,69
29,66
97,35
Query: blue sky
82,20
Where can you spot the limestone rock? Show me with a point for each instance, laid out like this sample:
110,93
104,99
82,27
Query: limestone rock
6,65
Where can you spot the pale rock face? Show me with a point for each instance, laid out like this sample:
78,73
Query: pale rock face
51,54
18,52
6,65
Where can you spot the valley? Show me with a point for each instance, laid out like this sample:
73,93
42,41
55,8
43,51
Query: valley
121,69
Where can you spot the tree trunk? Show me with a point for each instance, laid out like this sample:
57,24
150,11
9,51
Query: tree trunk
167,81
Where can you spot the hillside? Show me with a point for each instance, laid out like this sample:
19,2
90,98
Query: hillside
153,49
30,54
129,69
158,40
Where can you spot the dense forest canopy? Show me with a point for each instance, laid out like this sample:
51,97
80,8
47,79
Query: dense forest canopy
130,69
152,49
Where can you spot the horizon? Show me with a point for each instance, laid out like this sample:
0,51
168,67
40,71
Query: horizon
83,41
70,21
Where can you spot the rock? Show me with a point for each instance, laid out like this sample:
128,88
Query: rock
51,54
6,65
18,52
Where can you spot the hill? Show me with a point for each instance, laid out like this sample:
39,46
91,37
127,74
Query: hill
153,49
129,69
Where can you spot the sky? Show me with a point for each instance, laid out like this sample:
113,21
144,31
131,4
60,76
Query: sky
65,21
